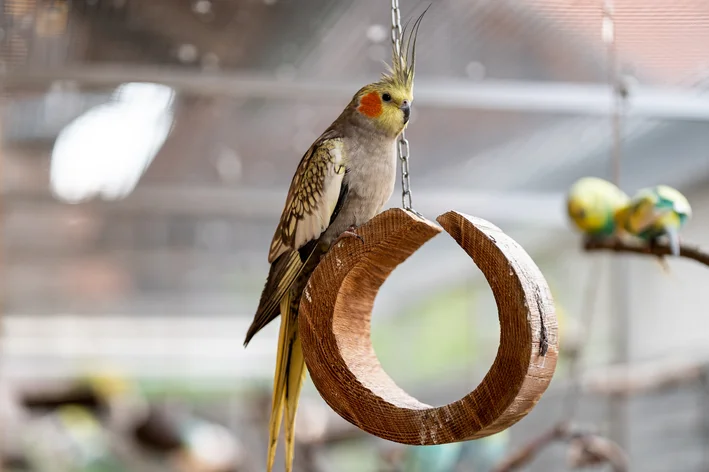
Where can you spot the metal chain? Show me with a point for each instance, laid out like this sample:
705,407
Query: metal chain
402,147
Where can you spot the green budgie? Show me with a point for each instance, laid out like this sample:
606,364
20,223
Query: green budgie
655,212
592,204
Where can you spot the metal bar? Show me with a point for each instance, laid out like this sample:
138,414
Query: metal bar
620,326
539,208
619,275
672,103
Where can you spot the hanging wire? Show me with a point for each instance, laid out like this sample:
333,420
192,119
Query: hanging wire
588,306
618,88
620,93
618,274
402,147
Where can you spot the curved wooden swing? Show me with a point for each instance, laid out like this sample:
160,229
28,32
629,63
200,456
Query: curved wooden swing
334,323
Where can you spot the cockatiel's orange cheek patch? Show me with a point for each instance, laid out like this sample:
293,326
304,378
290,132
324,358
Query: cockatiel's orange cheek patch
371,105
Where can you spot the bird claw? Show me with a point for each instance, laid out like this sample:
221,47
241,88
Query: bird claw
349,233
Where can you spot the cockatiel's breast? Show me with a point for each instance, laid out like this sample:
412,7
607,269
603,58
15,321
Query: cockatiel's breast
370,178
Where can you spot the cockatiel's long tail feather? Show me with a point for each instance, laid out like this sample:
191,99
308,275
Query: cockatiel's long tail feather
279,387
287,381
296,376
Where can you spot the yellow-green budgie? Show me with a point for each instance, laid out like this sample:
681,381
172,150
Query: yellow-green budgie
655,212
592,204
342,181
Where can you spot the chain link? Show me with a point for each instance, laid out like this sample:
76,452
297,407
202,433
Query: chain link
402,147
396,25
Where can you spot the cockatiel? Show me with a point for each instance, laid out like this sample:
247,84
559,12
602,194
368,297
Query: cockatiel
342,181
592,204
654,212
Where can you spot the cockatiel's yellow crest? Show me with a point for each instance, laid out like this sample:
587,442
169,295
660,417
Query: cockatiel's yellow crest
385,101
344,179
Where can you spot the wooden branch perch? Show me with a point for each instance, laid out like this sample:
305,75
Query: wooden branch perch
690,252
634,379
334,323
525,454
585,449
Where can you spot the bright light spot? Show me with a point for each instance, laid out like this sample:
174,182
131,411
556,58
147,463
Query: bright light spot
607,30
475,70
202,7
377,33
187,53
213,445
228,165
105,151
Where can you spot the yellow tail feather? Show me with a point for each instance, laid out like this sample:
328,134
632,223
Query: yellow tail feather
296,376
287,382
279,382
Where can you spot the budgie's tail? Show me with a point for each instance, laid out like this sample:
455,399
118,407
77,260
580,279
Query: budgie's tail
290,373
673,237
663,264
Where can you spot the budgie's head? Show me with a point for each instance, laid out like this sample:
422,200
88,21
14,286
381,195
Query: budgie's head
667,197
387,102
592,203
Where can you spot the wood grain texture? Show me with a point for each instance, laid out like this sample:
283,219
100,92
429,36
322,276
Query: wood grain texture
334,324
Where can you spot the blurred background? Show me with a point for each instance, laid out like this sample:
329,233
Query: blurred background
147,147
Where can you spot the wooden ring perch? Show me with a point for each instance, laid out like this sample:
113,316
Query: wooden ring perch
334,322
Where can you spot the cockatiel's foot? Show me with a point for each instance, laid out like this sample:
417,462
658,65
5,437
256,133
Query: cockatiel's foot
349,233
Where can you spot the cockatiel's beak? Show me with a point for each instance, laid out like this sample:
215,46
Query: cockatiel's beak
406,108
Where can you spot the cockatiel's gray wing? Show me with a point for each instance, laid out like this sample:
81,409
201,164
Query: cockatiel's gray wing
316,194
313,195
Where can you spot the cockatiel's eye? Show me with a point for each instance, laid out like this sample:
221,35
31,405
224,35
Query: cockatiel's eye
386,97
